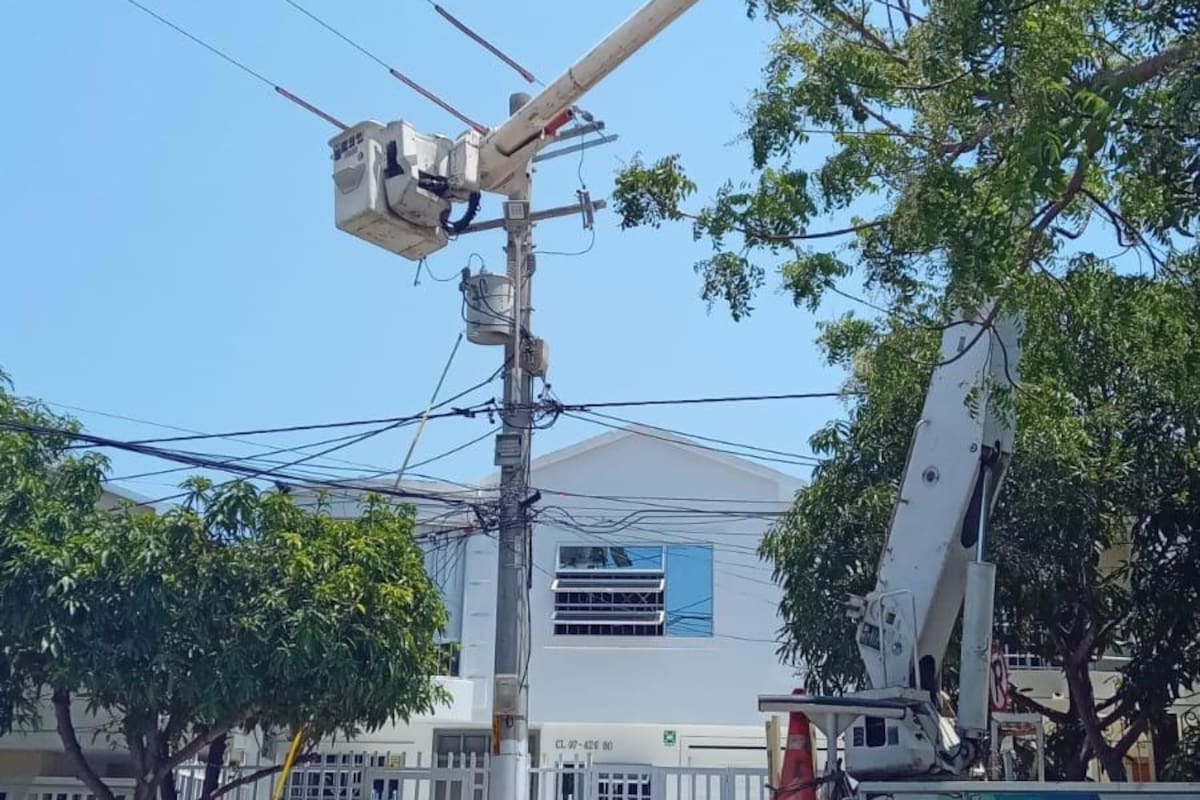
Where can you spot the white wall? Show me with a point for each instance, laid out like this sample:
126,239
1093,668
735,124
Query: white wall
627,691
711,681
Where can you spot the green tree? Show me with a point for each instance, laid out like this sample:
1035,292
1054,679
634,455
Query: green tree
235,611
982,135
1185,764
1107,447
986,149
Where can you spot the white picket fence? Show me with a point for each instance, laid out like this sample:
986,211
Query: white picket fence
58,789
361,776
372,776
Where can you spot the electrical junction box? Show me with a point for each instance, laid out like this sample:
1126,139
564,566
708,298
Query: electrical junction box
509,449
535,357
391,187
507,701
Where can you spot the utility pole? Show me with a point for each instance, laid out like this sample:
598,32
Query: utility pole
395,188
509,778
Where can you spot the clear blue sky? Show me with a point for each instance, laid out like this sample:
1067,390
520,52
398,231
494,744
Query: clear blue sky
170,254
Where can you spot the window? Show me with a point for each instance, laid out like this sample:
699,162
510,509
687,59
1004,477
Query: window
689,590
609,591
445,556
448,659
636,590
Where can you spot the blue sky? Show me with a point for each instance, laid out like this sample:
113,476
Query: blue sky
170,253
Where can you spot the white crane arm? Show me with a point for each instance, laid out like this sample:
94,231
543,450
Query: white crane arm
502,149
960,449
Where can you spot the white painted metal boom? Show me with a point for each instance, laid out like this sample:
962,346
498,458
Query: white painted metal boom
502,147
932,568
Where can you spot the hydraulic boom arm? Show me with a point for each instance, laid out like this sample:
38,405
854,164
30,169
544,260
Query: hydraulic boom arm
932,567
933,563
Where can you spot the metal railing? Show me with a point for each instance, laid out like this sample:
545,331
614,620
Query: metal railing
384,776
58,789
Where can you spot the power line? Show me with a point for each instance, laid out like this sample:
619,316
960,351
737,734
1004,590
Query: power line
625,498
461,117
687,401
358,465
232,459
766,450
437,389
459,448
244,472
478,408
695,445
468,411
251,72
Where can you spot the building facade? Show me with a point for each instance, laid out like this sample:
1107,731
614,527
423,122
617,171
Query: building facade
654,624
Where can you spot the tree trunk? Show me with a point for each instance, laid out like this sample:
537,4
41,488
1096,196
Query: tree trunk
1083,698
163,740
66,732
212,767
1114,766
167,790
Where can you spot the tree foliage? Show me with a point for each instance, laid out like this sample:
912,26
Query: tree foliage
1095,529
970,140
997,149
234,611
1185,764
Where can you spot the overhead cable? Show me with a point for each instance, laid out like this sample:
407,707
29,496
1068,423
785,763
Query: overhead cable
437,389
244,472
307,106
485,407
685,443
468,411
728,443
461,117
688,401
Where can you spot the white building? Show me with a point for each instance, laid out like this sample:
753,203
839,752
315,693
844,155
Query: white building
670,677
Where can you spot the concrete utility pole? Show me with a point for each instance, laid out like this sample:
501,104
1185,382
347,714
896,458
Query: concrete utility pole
510,700
395,188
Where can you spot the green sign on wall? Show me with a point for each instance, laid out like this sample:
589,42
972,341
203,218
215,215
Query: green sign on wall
669,738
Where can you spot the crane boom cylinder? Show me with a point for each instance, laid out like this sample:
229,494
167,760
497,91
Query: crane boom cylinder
975,668
633,34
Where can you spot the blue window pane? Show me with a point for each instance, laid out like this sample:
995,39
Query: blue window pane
689,603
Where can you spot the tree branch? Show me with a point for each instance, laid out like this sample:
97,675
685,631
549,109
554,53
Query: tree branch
795,237
866,226
265,772
192,748
212,767
1052,714
1122,708
1074,186
66,732
1132,734
1124,226
1150,68
909,15
868,35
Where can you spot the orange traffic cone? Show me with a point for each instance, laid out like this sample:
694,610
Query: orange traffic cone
797,780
